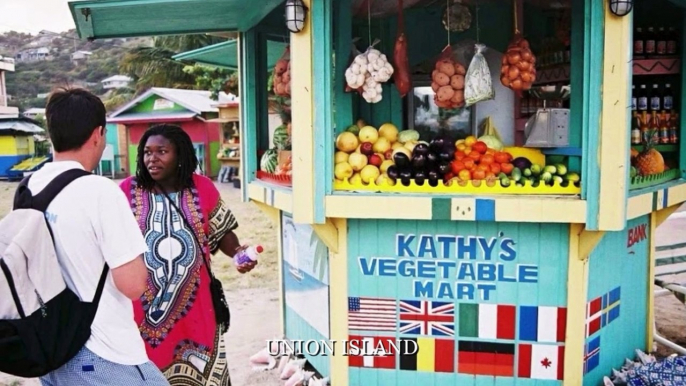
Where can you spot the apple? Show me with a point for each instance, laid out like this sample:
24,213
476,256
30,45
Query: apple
375,160
381,145
341,156
388,154
346,142
368,134
367,148
357,161
385,165
369,173
389,131
343,171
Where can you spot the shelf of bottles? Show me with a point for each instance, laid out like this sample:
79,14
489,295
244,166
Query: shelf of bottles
655,113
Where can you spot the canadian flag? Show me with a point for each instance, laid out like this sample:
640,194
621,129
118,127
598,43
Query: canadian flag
539,361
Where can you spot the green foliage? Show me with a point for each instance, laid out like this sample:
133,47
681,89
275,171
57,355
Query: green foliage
214,79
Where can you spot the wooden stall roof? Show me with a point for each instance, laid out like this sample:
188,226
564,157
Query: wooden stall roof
100,19
226,54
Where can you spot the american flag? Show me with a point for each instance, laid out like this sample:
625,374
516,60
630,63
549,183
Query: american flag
425,317
371,314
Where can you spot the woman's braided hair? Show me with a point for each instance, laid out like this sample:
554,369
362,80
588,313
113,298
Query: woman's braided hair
185,156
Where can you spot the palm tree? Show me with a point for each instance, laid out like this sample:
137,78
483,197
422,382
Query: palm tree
154,66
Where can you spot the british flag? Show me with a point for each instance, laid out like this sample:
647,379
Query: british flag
426,317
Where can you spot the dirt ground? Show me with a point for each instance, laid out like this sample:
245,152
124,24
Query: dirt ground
254,297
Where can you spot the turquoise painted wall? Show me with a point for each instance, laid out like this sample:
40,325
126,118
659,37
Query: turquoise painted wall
517,266
112,138
618,273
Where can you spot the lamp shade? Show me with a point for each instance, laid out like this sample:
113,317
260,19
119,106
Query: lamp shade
621,7
295,15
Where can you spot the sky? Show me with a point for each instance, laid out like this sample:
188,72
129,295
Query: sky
31,16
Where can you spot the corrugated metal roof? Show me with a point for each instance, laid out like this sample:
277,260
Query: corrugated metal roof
197,101
22,126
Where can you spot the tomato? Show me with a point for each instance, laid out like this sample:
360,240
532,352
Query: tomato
469,163
459,155
461,146
484,168
448,176
491,176
457,166
479,175
501,157
481,147
487,159
506,168
475,155
467,150
495,168
490,151
465,175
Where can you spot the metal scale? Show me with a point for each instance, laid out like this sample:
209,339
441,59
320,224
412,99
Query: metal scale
549,127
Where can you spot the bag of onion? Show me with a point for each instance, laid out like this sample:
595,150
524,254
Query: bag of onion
518,70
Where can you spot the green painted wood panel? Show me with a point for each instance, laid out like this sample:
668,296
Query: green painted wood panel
592,106
133,154
404,274
215,165
620,261
148,106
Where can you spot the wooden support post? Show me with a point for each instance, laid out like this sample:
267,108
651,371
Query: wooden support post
328,233
588,240
273,213
577,287
338,295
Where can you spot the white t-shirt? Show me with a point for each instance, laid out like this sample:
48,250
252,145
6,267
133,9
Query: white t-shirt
92,224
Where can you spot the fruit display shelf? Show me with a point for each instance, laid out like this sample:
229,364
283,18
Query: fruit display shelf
640,182
277,179
462,187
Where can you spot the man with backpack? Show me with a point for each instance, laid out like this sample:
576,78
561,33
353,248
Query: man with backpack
81,322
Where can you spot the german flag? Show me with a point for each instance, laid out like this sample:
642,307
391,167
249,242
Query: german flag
433,355
481,358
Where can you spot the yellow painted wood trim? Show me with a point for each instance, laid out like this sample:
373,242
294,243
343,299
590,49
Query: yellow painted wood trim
614,127
381,207
279,259
273,213
588,240
338,303
654,223
677,195
639,206
662,215
538,209
577,287
303,123
278,198
328,233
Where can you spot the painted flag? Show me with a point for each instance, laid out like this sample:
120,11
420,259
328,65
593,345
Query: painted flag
539,361
602,310
372,314
425,317
542,324
487,321
433,355
376,352
591,354
481,358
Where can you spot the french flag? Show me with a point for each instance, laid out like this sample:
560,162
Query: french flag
542,324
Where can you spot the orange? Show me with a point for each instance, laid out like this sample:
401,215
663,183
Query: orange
464,175
479,175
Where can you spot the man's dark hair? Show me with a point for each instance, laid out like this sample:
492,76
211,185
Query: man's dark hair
185,156
72,115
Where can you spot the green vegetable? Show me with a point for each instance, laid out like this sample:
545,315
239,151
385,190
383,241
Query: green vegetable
353,129
505,182
561,169
550,169
492,142
516,174
573,177
269,161
633,172
546,176
408,135
282,140
557,180
536,169
527,172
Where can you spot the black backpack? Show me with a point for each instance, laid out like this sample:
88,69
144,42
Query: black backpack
43,324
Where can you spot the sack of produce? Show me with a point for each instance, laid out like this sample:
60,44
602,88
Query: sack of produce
374,68
478,83
282,74
448,81
354,74
518,70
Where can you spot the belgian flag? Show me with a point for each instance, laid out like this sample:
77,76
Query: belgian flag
433,355
481,358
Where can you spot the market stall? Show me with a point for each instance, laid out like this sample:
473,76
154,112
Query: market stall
464,176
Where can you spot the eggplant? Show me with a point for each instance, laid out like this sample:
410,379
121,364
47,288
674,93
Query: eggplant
433,177
420,177
401,159
446,155
405,176
392,172
432,158
421,148
521,163
418,161
444,168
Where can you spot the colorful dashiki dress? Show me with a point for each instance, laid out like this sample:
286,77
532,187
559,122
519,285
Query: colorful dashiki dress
175,314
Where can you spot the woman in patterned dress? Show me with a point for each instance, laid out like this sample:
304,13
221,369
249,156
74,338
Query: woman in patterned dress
175,314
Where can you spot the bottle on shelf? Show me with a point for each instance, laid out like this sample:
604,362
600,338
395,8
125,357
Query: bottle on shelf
633,99
645,126
667,98
655,99
639,42
654,127
649,48
672,41
248,255
674,127
642,100
635,129
664,127
661,42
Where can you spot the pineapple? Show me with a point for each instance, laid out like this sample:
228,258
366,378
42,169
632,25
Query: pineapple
649,161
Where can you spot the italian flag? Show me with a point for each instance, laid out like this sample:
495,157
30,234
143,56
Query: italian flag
487,321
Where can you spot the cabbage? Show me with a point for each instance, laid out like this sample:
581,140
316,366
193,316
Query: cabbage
492,142
408,135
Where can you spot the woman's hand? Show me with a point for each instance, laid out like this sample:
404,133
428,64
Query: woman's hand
246,267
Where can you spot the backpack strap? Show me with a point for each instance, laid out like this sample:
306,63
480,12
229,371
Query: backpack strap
24,199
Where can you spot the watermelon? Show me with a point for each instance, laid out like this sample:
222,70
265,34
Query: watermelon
282,140
269,161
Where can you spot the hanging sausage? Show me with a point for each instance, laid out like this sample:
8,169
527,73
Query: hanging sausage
401,76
